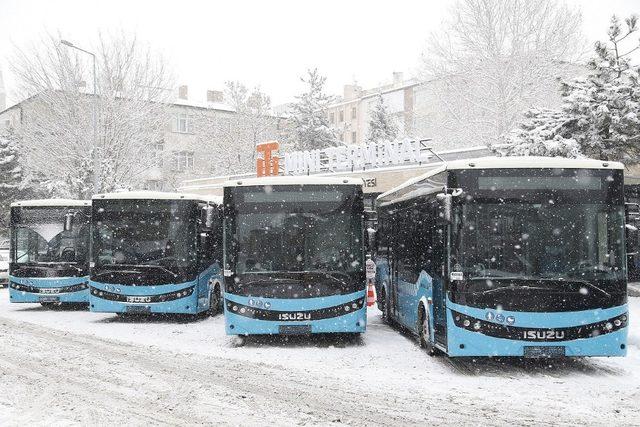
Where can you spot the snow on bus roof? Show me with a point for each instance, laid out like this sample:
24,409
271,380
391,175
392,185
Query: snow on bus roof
51,202
293,180
156,195
515,162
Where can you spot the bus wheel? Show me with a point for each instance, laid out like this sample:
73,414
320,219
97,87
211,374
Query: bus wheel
214,301
423,331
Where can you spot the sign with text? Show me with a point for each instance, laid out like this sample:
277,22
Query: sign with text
354,157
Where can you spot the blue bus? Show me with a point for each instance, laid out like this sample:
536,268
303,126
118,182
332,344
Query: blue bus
512,256
49,252
294,256
155,252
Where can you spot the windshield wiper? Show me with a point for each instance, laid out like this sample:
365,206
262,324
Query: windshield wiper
540,279
143,266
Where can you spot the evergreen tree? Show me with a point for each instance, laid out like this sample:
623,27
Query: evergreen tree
600,115
311,127
11,177
382,127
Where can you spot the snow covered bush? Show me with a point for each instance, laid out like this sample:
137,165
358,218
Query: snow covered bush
599,116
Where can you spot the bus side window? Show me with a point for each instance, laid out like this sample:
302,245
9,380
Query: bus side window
424,246
406,248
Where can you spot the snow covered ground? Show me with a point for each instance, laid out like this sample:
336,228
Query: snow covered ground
80,367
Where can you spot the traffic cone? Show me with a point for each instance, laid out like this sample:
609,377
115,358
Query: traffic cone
371,294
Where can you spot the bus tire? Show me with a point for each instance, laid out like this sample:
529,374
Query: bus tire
215,301
424,332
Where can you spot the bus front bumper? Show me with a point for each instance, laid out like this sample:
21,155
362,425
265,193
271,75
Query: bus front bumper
178,300
264,316
49,290
598,332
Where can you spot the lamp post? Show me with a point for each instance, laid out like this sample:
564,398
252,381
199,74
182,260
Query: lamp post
94,115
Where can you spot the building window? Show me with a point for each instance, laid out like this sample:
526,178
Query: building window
341,116
353,112
353,137
332,117
184,124
182,161
158,153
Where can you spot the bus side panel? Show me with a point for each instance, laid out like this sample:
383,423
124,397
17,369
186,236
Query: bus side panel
463,342
48,288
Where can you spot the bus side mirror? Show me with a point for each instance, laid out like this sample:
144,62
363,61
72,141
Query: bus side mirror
68,221
445,201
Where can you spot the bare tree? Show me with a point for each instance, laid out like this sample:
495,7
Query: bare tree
496,58
235,137
57,127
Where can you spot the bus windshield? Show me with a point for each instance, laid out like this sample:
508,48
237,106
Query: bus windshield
40,238
290,231
157,237
542,241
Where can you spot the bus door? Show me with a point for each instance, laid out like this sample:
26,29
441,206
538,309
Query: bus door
440,256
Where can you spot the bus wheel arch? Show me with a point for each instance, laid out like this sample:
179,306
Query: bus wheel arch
424,330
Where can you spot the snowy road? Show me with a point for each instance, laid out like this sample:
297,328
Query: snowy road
79,367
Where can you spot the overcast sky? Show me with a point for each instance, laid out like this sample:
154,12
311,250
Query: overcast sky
266,43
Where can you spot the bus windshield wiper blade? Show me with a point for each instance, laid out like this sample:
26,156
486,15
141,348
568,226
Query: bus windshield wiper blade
586,283
143,266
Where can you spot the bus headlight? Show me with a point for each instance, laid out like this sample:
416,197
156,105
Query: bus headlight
466,322
617,322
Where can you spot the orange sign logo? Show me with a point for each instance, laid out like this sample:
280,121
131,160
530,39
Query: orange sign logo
269,164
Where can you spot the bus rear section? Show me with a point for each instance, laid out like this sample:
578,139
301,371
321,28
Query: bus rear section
156,252
294,256
49,252
509,257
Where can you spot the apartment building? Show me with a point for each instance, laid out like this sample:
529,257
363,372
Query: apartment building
350,114
203,138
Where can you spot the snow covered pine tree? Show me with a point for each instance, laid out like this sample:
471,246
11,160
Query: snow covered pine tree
311,127
599,117
10,175
382,126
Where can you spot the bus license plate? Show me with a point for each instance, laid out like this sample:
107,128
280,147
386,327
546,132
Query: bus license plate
544,351
138,309
49,299
294,329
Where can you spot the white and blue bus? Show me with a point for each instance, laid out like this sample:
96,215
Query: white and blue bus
512,256
49,252
154,252
294,256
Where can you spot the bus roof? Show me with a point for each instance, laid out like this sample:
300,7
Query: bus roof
156,195
51,202
516,162
292,180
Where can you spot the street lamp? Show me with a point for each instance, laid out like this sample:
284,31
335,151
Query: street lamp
95,110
